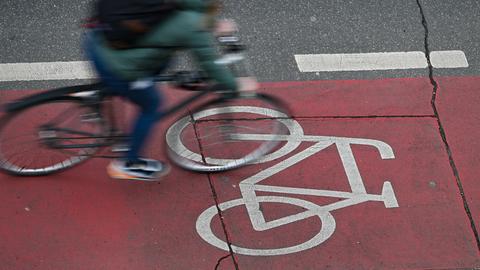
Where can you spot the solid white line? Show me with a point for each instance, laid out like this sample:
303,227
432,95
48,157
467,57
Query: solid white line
43,71
379,61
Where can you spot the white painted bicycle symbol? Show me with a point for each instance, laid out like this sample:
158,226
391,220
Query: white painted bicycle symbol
251,185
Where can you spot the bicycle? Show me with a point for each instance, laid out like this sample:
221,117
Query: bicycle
71,124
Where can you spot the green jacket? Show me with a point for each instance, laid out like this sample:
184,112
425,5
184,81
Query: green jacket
186,29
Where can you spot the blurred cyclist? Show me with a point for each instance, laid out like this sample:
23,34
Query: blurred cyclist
127,59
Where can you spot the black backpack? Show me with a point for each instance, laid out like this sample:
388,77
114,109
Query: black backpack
124,21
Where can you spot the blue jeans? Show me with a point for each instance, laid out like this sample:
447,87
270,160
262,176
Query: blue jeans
142,92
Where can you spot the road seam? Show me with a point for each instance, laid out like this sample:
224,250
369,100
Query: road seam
220,261
435,86
215,198
360,117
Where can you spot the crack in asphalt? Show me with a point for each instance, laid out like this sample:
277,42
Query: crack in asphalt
224,226
436,115
435,86
215,198
220,261
362,116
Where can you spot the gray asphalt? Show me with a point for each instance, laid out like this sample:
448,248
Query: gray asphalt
275,30
455,25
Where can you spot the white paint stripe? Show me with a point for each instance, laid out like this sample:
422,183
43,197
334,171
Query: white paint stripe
448,59
379,61
43,71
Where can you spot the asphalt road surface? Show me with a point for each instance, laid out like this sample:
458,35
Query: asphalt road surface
276,31
406,132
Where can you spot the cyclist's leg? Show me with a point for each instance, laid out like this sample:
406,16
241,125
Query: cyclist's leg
144,94
132,166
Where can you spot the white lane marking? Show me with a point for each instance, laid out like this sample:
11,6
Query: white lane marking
379,61
448,59
80,70
44,71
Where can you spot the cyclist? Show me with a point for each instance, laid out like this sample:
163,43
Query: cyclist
129,70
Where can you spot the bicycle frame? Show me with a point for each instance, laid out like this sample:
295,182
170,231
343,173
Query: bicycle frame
94,96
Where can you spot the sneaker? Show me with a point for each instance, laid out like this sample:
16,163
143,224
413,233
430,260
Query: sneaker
143,169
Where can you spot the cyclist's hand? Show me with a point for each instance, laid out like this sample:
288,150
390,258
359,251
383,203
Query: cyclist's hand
225,27
214,7
212,10
247,84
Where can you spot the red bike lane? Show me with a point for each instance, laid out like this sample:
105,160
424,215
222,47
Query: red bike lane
457,101
395,205
82,219
429,229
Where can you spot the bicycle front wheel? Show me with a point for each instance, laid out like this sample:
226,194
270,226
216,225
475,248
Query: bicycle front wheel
49,136
228,133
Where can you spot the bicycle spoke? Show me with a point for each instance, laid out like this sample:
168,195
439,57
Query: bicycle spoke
78,125
29,164
59,160
52,161
21,143
20,158
226,129
214,143
64,114
22,151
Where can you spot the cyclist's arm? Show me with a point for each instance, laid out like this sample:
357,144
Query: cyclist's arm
200,41
201,44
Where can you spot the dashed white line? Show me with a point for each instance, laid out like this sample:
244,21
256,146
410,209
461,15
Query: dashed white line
44,71
80,70
448,59
379,61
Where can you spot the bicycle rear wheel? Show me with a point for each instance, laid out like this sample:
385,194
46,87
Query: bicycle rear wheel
50,136
228,133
